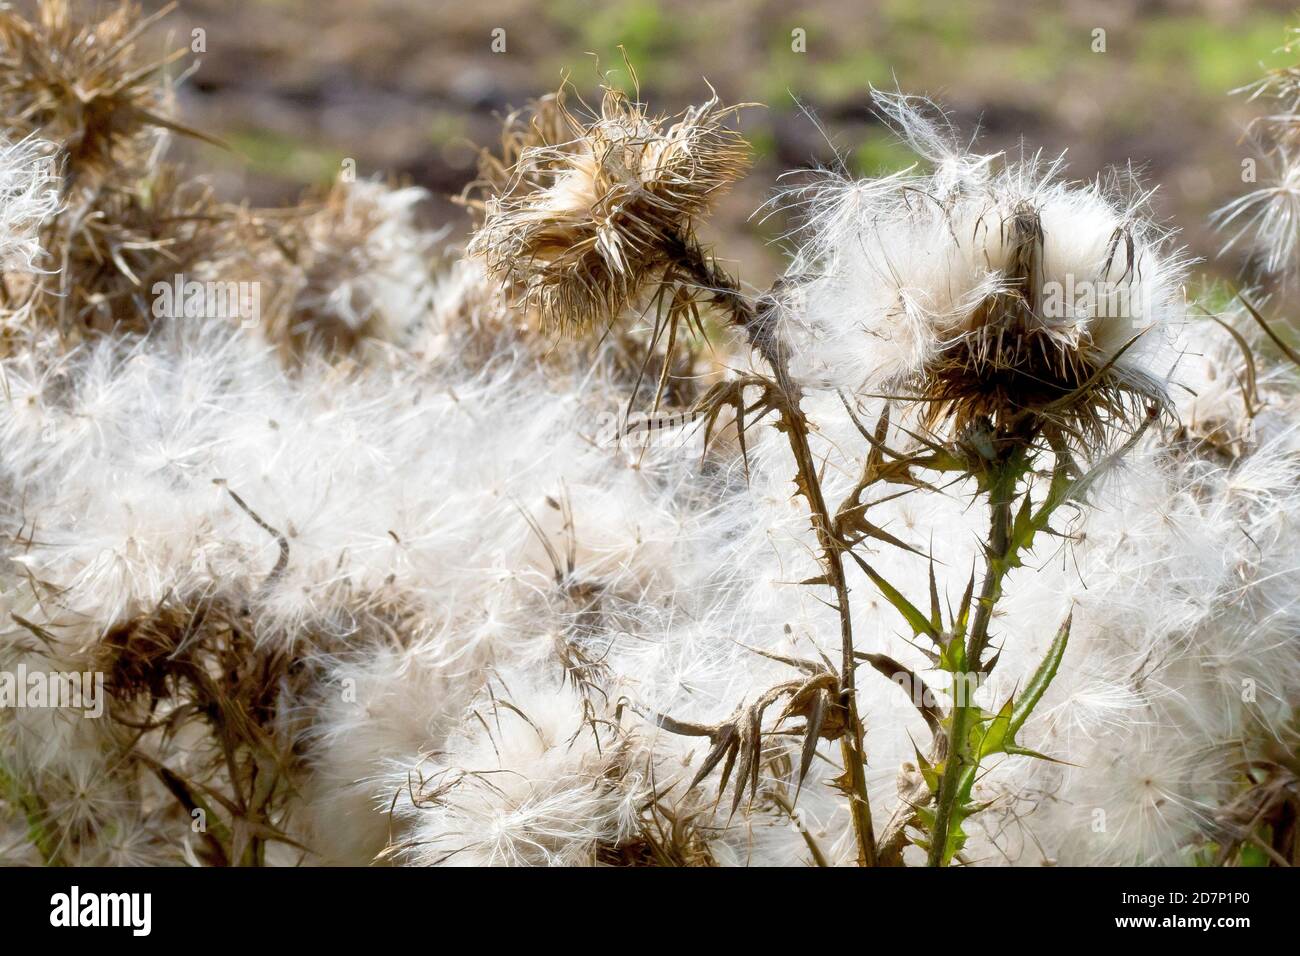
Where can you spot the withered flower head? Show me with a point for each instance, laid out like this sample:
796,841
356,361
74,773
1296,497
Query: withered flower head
544,123
587,210
989,293
1028,356
113,250
80,85
340,269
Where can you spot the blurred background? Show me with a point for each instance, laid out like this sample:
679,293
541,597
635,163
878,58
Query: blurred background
405,88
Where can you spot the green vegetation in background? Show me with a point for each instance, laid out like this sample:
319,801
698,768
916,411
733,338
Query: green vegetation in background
849,77
948,25
880,154
1212,294
1216,57
832,69
783,68
448,128
656,40
268,152
1039,60
844,59
762,141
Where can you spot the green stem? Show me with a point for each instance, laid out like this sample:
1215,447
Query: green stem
960,764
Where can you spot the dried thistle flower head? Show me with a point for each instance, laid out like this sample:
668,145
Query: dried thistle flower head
340,269
79,84
987,291
111,250
1282,87
583,222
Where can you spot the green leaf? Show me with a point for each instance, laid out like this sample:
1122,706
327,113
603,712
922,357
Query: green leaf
995,737
962,621
1029,522
936,615
952,658
1015,750
956,833
1042,678
1022,531
919,623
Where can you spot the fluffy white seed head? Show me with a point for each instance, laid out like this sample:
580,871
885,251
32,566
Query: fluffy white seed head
983,285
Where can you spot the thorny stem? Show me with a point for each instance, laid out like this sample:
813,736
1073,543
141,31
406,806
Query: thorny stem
959,763
1001,496
758,327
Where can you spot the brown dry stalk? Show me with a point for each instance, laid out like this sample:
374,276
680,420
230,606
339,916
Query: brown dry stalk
756,322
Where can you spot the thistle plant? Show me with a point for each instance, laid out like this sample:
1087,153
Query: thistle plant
618,214
983,536
1023,398
993,381
82,86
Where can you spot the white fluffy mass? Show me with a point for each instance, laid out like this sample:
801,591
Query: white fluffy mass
890,270
491,599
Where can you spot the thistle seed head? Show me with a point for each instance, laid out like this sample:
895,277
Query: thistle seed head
580,224
986,291
79,84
